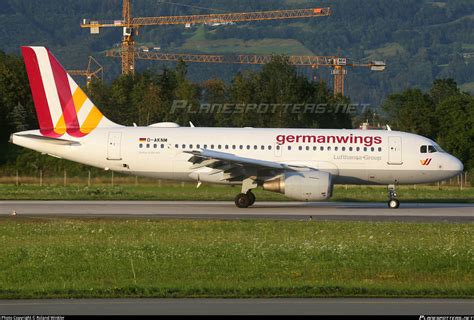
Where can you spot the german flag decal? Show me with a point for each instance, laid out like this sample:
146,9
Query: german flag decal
142,139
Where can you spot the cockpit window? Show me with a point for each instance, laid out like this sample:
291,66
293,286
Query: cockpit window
437,147
432,149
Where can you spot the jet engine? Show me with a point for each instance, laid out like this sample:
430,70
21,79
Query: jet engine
303,186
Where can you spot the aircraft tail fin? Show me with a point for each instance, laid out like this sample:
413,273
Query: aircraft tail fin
61,105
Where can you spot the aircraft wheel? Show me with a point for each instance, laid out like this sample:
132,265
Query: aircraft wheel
394,204
251,197
242,201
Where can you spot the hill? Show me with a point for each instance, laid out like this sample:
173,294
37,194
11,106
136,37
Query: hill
420,40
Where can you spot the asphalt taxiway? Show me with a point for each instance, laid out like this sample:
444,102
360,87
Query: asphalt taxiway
355,306
428,212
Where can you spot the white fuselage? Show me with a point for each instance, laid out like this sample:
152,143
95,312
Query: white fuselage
351,156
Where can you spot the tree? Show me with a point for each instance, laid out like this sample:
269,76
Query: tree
121,108
412,111
18,118
456,127
278,86
243,92
185,91
442,89
215,95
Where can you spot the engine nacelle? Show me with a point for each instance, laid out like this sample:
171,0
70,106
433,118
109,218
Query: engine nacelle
303,186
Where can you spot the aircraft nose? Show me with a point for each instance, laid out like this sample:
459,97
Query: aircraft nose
457,165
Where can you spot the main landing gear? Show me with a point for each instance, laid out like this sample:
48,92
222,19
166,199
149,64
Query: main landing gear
393,202
246,198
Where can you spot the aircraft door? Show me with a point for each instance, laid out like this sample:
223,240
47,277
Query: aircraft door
395,150
114,146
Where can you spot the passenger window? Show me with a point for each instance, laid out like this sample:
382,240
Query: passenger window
176,146
336,148
321,148
141,146
300,148
289,148
269,147
423,149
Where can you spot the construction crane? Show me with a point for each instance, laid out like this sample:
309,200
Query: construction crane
131,25
337,64
94,70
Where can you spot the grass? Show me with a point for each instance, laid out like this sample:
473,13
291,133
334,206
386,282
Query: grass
100,258
198,43
468,46
181,192
469,87
388,50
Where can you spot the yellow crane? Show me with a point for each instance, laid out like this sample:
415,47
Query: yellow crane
337,64
94,70
131,25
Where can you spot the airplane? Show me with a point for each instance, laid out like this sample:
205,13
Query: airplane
302,164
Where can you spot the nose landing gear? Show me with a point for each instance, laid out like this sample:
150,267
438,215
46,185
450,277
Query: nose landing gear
393,202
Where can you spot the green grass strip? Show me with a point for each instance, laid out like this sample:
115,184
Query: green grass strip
178,192
99,258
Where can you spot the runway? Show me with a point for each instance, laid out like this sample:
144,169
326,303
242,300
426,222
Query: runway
338,306
426,212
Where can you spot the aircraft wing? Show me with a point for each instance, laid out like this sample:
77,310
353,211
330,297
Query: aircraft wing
237,168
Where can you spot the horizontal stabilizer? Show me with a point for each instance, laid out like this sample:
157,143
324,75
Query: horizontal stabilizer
61,142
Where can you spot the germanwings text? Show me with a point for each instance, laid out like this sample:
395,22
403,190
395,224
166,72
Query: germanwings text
367,141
